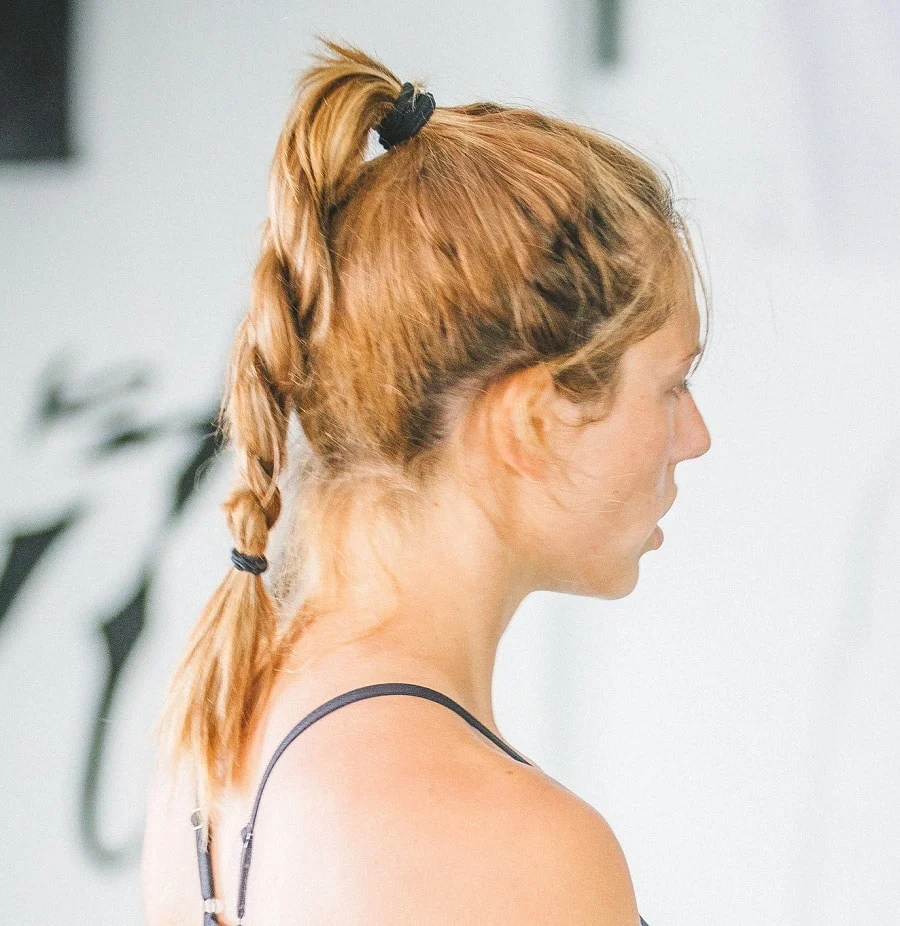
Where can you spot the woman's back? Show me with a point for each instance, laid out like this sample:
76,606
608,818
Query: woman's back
391,809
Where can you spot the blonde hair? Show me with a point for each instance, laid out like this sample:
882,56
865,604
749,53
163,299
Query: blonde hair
389,291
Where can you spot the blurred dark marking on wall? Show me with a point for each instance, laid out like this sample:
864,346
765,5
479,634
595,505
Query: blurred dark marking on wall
123,629
60,398
26,550
608,32
62,402
34,80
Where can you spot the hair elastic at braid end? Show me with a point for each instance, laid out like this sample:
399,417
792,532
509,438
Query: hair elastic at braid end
254,564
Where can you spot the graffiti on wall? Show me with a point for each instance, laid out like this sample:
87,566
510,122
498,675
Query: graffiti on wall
63,399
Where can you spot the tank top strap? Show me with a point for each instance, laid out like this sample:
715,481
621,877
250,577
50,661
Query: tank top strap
348,697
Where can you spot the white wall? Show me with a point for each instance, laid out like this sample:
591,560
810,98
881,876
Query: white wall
736,717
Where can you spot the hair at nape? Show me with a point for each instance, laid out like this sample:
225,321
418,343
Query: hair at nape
390,291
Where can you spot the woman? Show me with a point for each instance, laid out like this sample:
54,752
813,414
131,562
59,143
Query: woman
484,334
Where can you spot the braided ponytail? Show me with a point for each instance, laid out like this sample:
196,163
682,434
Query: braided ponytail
225,675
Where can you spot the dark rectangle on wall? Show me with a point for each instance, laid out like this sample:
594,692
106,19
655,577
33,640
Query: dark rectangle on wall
609,33
34,80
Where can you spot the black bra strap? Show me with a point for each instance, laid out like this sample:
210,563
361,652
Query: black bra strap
348,697
210,903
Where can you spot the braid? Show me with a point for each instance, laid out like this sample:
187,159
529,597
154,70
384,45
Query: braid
226,674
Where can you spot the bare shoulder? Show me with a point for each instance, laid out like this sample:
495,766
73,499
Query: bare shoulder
453,835
578,863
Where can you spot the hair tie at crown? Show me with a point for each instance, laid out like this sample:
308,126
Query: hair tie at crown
410,112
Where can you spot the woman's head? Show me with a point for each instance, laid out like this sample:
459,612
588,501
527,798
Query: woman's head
498,259
587,519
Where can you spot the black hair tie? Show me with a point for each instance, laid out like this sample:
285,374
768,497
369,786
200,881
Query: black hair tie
411,111
254,564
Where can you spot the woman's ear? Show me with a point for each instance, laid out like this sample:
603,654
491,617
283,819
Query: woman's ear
520,427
